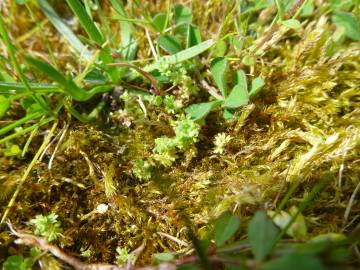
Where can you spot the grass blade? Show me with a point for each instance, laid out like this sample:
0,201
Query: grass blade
86,22
20,88
181,56
21,121
64,30
67,84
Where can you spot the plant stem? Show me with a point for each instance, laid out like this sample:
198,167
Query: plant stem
28,170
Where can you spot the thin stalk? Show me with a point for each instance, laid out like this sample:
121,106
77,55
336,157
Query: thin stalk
28,170
10,48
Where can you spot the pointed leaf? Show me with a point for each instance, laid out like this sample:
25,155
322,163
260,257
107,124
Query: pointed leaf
193,36
169,44
64,30
262,233
200,110
86,22
218,69
256,85
181,56
225,227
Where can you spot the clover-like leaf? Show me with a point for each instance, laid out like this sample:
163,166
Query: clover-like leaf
225,227
262,234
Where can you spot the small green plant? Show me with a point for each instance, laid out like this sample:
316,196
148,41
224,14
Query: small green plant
142,169
221,140
122,256
47,226
20,263
186,134
238,97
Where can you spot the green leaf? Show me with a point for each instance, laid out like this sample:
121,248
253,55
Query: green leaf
239,78
237,98
86,21
291,23
169,44
159,22
294,261
256,85
15,263
262,233
225,227
128,42
4,105
228,114
164,257
201,110
193,36
67,84
218,68
64,30
220,48
182,14
349,22
17,88
181,56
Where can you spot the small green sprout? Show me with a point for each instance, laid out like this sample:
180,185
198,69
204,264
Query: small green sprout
221,140
142,169
47,226
186,131
123,256
85,252
171,104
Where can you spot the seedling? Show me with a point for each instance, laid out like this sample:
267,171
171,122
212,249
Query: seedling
238,97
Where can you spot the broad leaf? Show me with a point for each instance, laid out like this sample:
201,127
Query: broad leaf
182,14
349,22
256,85
169,44
193,36
218,68
159,22
225,227
199,111
296,261
237,98
262,234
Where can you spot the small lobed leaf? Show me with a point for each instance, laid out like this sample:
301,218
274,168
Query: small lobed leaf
262,233
225,227
218,68
201,110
